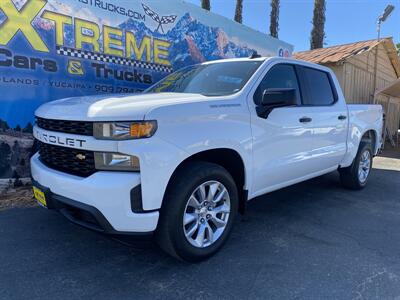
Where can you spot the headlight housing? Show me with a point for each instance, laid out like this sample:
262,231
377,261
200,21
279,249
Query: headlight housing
124,130
108,161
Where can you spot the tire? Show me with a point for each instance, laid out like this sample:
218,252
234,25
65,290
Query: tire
176,238
351,177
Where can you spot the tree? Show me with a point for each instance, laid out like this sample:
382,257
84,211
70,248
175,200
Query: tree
274,18
28,128
16,147
15,175
17,179
18,128
3,125
398,49
239,11
205,4
318,31
5,152
22,162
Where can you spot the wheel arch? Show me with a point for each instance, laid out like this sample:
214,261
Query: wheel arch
356,136
370,136
229,159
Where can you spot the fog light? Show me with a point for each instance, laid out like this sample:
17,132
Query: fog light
116,162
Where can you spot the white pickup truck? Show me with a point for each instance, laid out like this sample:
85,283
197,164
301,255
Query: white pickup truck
182,159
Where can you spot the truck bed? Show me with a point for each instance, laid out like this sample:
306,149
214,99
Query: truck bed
366,115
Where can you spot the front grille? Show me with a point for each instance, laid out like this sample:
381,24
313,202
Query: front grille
74,127
65,159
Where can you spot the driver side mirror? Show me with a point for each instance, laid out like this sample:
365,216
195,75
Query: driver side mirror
284,97
274,98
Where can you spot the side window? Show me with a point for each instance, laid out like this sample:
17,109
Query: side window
320,91
279,76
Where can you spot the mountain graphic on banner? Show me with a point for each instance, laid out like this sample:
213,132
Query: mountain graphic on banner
191,41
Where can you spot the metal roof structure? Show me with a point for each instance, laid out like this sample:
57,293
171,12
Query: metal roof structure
392,90
339,53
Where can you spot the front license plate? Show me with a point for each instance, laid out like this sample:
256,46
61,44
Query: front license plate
40,196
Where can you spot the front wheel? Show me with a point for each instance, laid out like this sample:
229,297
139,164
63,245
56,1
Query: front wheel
356,176
198,211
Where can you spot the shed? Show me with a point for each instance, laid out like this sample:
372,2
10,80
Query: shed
390,98
364,70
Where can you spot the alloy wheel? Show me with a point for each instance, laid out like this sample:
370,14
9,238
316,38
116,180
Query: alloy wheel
364,166
206,214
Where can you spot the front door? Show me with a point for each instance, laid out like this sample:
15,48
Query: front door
282,142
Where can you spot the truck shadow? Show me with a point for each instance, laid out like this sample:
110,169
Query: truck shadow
283,233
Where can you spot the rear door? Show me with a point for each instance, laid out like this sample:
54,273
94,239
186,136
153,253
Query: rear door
328,117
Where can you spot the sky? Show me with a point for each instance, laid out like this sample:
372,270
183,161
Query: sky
346,20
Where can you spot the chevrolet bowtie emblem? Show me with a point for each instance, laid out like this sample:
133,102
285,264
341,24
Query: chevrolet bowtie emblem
80,156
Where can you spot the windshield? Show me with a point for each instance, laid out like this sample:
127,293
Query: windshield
216,79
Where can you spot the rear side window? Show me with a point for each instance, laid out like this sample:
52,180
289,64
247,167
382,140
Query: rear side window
320,90
280,76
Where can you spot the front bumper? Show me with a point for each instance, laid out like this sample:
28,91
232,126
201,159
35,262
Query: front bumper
105,196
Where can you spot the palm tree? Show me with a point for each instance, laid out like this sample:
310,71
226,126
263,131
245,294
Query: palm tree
318,33
274,19
239,11
205,4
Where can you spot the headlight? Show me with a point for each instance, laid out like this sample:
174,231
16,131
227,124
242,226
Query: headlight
115,162
124,130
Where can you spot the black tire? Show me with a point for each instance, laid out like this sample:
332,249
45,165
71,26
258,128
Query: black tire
170,232
349,176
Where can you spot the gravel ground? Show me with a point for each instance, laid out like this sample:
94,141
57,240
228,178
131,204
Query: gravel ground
20,197
17,198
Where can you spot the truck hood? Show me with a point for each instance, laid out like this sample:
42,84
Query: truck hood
111,107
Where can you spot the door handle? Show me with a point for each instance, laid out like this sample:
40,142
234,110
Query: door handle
305,120
342,117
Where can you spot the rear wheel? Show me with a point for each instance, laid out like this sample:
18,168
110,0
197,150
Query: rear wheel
198,211
356,176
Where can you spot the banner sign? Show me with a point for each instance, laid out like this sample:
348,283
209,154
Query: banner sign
52,49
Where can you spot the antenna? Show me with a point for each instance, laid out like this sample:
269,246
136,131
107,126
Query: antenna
255,55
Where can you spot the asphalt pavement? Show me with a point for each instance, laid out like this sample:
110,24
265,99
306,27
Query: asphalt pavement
314,240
